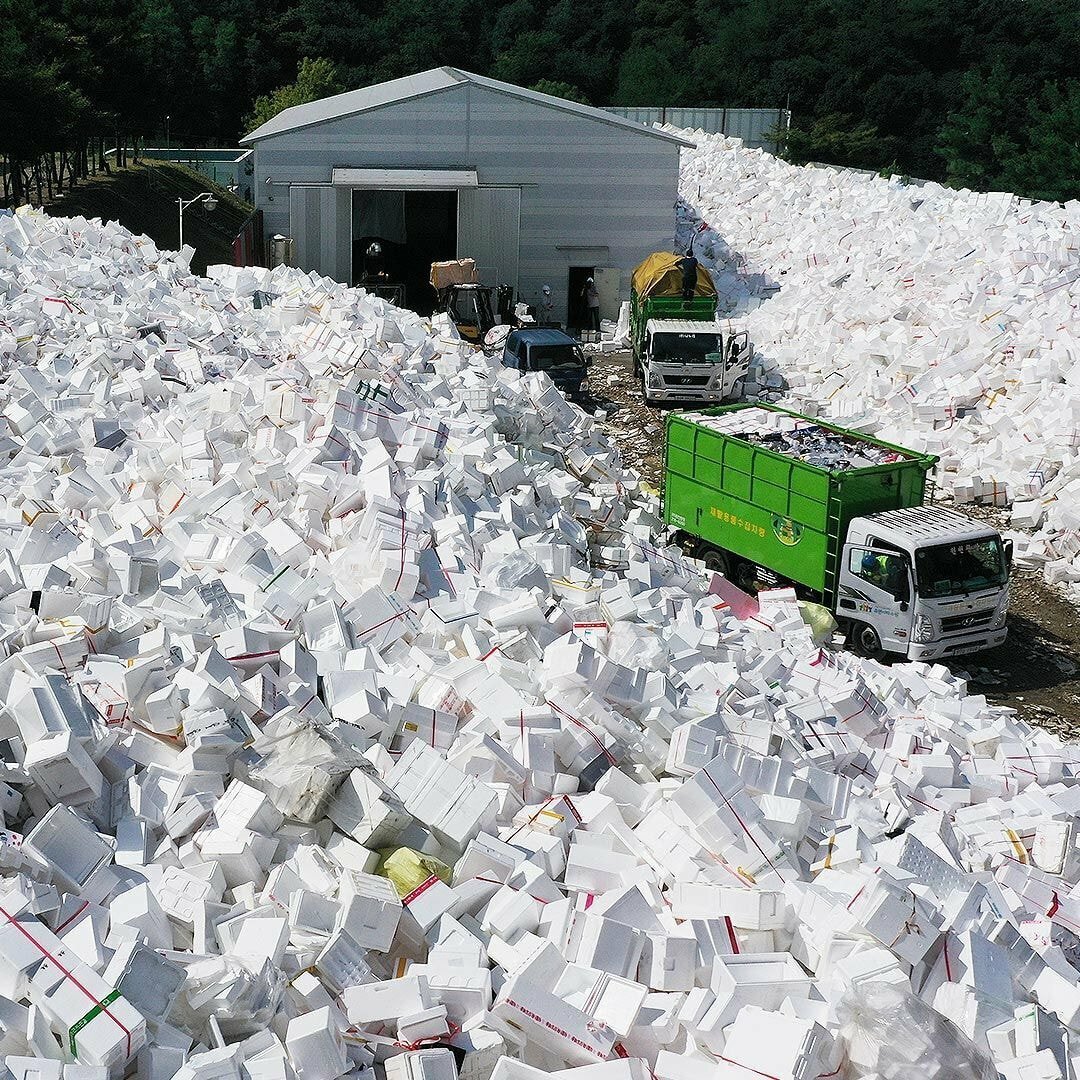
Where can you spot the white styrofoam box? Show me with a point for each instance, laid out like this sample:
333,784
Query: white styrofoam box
369,909
669,961
369,812
557,1027
96,1024
386,1000
435,1064
613,1001
315,1045
464,991
69,846
426,1025
775,1044
762,979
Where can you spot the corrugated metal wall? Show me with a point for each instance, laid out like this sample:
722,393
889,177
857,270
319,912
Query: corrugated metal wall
750,125
587,192
489,231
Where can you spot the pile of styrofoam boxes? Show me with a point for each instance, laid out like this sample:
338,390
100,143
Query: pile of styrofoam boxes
943,320
356,724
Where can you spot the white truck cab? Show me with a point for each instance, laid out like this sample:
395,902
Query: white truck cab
685,360
925,582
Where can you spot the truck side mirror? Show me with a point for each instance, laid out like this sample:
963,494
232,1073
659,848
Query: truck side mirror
1008,544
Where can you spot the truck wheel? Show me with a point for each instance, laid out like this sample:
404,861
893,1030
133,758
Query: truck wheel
744,576
716,561
865,641
738,571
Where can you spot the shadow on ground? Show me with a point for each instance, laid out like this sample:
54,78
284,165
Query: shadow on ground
143,198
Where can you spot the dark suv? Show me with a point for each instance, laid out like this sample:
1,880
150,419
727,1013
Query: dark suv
550,351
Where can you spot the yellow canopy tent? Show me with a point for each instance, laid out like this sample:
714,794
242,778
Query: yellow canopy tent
661,275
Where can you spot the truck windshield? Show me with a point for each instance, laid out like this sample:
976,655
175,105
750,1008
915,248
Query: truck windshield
546,357
948,569
685,348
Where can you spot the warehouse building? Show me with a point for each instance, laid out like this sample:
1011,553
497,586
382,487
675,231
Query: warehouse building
446,164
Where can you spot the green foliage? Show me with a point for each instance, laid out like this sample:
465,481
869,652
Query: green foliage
1049,165
975,140
560,90
974,92
835,139
314,79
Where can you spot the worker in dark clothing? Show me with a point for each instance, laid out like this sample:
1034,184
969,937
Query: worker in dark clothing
688,265
592,304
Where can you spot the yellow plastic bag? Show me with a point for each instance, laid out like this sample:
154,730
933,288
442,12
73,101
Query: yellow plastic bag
819,619
407,868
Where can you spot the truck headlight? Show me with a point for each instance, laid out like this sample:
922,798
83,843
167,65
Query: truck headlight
656,381
1002,609
923,630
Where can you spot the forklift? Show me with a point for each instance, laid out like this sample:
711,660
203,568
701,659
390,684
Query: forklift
466,301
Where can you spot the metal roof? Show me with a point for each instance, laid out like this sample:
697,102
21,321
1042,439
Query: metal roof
543,336
926,522
423,83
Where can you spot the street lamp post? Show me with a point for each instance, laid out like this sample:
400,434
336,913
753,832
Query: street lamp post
207,197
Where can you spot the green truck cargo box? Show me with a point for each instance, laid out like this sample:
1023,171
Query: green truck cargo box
777,511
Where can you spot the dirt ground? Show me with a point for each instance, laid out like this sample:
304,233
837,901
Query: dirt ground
1036,671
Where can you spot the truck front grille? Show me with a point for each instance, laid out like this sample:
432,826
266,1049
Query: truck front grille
687,380
962,624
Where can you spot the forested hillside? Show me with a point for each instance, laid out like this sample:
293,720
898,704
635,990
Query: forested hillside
977,92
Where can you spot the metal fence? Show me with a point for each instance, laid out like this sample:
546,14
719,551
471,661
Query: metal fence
750,125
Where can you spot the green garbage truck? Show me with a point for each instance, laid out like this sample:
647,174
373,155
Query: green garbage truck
680,351
771,498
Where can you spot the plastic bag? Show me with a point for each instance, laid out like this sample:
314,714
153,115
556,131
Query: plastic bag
518,570
891,1032
819,619
636,646
241,1002
407,868
300,767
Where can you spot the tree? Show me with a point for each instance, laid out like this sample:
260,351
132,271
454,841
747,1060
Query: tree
837,140
560,90
1049,166
314,79
979,138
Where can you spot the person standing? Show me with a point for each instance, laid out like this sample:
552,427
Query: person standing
592,304
688,265
546,314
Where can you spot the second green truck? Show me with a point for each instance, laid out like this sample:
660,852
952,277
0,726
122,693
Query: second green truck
769,497
681,353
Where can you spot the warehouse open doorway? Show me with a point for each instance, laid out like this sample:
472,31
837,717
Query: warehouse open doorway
608,282
397,235
577,315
